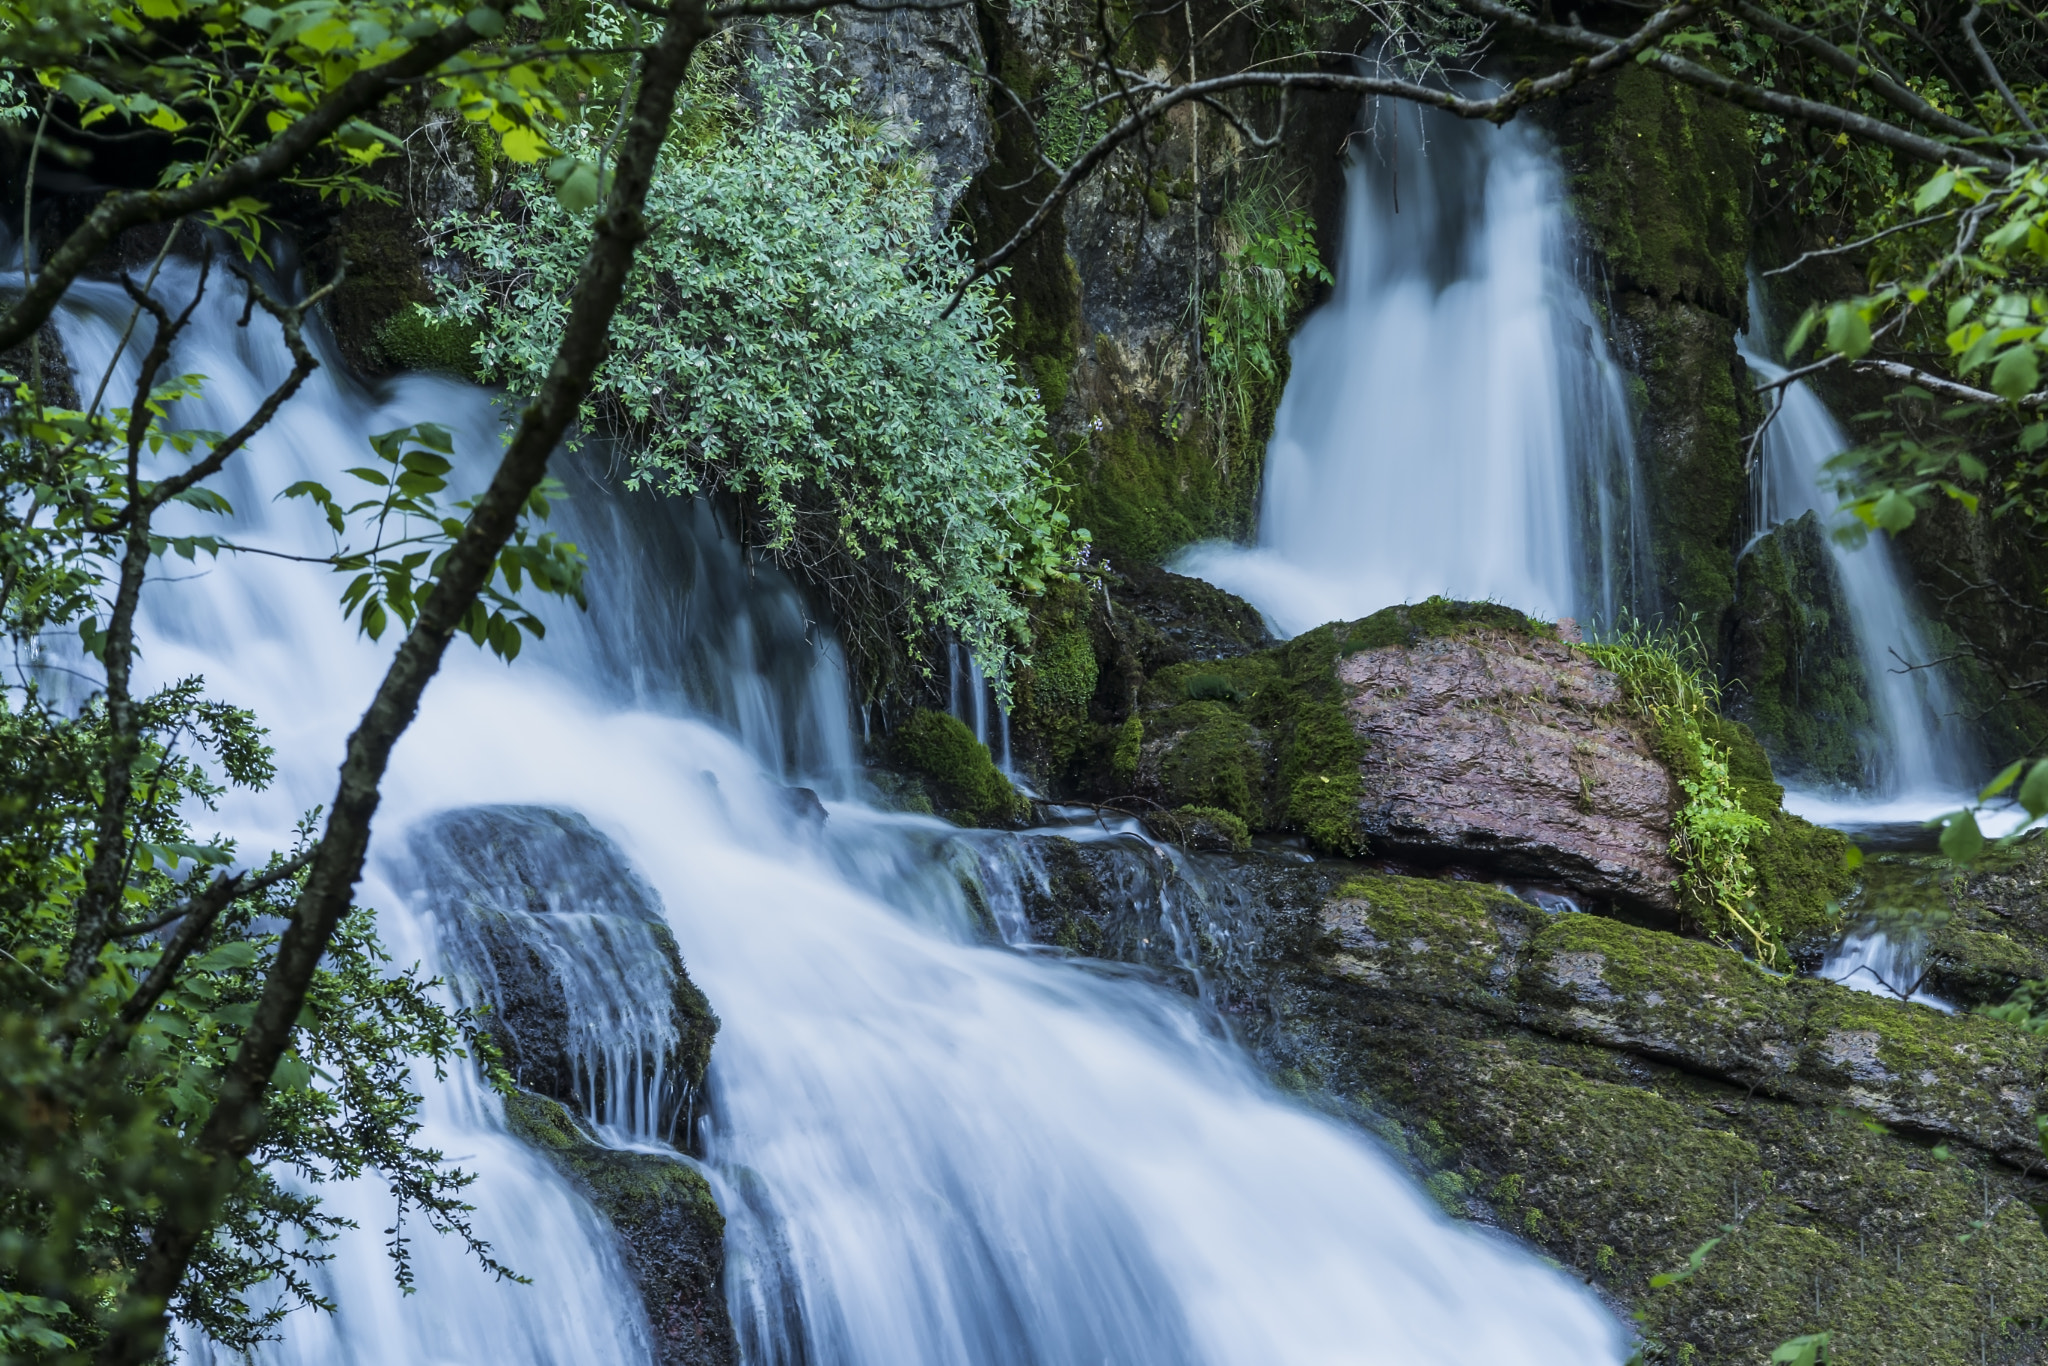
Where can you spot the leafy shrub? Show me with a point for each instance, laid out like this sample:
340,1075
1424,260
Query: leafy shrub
1666,676
1268,248
785,338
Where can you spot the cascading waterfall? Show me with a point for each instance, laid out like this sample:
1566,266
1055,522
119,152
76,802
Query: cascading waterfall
930,1148
1452,422
1922,759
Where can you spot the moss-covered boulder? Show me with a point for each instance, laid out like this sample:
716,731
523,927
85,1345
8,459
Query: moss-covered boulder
670,1232
956,775
1620,1096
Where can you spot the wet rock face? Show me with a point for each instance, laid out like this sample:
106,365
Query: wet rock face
671,1234
1515,753
542,918
1618,1096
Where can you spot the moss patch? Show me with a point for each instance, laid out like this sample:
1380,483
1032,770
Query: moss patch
966,785
1206,828
671,1233
413,339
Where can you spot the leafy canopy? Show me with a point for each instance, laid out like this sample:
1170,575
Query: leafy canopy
784,339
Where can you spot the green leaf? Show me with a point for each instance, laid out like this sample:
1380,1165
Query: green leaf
1935,190
1810,1350
1893,512
486,21
2034,791
577,191
1848,331
1961,840
2001,782
2017,373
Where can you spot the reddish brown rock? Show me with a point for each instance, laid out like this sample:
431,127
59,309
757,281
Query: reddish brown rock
1516,754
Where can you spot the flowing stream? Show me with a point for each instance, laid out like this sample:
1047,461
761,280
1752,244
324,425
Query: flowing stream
1921,759
930,1147
1386,481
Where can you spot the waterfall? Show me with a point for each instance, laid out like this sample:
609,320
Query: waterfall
1452,422
1923,759
932,1148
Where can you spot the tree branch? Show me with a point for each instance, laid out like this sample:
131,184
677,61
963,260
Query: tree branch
1949,388
119,212
1498,109
236,1123
1748,96
1887,89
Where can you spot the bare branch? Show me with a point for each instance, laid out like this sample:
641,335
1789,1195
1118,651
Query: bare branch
1891,91
1498,109
1858,244
1992,73
1947,387
1753,97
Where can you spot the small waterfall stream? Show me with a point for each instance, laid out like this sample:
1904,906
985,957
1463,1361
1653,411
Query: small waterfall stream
1921,759
932,1149
1386,481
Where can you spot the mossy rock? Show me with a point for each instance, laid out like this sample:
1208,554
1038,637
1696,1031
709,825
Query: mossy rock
670,1231
1204,828
1566,1078
1799,680
965,784
414,339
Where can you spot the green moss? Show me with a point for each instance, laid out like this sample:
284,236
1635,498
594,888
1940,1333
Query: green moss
1212,759
414,339
1319,776
1661,178
1202,827
1803,875
1130,741
968,786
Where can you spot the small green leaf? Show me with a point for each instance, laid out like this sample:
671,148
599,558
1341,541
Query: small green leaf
1810,1350
1848,331
1934,191
2001,782
1892,512
2017,373
486,21
1961,840
2034,791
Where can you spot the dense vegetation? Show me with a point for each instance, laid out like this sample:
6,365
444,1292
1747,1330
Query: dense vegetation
752,292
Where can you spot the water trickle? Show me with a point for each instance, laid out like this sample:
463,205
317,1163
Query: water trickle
1452,421
1922,759
931,1148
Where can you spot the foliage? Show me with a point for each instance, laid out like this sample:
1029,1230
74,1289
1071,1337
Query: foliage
1668,678
788,343
213,82
1268,259
100,1102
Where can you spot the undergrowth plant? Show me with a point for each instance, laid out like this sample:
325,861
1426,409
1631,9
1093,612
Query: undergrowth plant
1267,246
786,340
1666,675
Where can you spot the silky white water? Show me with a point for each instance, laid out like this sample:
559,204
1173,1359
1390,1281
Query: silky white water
930,1149
1452,422
1922,760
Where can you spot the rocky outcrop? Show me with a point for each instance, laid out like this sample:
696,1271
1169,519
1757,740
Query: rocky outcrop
1790,644
541,916
1516,753
1619,1096
670,1231
543,921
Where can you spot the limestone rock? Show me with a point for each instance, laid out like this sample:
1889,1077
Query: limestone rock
1516,753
